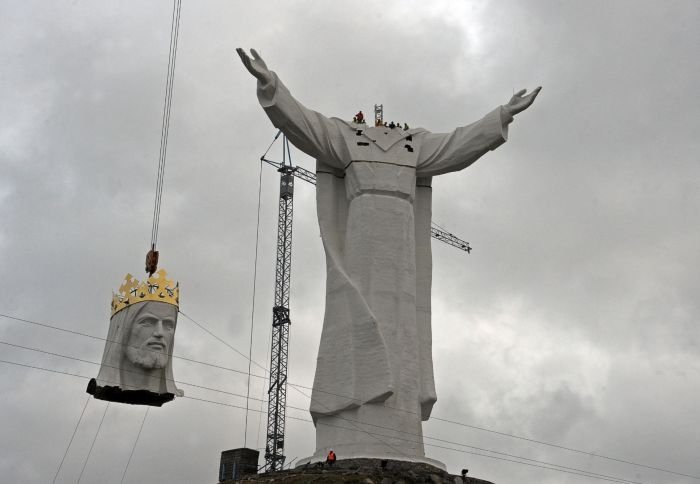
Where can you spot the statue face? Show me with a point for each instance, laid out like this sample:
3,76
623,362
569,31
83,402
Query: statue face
151,337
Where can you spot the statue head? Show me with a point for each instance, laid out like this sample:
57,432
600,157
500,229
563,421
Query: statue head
137,360
145,334
151,335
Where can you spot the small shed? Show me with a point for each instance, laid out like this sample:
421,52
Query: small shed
236,463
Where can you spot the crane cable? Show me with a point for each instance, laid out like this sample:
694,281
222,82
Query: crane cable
152,256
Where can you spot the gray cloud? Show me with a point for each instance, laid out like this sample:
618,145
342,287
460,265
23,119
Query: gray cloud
573,320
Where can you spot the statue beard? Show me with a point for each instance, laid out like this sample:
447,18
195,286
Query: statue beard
146,359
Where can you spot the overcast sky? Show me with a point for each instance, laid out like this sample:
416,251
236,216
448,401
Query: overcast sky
574,321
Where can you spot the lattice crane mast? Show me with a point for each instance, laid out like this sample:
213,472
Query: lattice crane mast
277,392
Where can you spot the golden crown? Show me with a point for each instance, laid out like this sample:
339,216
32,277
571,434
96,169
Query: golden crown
156,288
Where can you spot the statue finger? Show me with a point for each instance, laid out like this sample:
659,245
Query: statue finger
520,93
534,93
256,56
244,57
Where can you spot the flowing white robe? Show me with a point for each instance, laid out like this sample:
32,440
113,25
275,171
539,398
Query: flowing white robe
374,377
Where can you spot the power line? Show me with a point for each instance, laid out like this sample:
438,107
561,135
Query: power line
93,443
536,463
562,469
462,424
590,454
71,440
224,342
179,382
374,435
582,473
293,386
62,372
352,422
356,427
185,383
262,390
541,464
549,466
453,443
464,445
78,333
133,448
557,446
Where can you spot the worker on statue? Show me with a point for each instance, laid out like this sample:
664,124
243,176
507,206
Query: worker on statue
374,372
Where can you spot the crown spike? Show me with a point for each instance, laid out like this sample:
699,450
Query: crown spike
156,288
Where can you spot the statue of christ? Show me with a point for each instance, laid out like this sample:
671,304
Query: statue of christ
374,375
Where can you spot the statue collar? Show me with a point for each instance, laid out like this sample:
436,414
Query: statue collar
382,136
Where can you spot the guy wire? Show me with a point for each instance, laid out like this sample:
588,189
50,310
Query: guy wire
87,458
549,466
601,456
133,448
71,440
252,311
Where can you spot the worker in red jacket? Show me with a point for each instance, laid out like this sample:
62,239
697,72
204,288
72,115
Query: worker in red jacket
330,460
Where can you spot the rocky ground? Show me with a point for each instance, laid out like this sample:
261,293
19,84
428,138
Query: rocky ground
362,471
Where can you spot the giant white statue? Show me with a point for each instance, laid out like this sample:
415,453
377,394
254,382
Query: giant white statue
374,375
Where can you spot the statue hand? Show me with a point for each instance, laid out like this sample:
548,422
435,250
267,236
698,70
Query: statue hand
255,66
519,103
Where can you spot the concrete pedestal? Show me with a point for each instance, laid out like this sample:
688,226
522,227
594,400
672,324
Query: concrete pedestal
370,460
369,471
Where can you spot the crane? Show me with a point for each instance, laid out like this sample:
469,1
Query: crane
277,390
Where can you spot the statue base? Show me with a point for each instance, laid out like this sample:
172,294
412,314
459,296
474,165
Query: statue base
362,470
132,397
372,461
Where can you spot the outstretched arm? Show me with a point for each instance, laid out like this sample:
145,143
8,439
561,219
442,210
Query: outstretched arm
445,152
311,132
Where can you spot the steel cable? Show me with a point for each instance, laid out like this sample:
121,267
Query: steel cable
165,127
